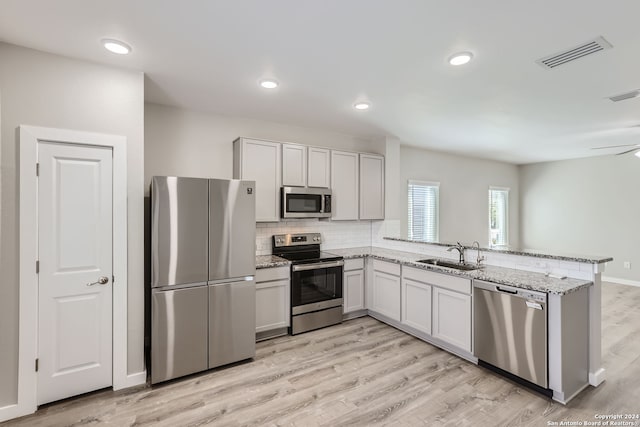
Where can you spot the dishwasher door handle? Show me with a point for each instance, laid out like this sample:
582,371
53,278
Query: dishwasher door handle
506,291
534,305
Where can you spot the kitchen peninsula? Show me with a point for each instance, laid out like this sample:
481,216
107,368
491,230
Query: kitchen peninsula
411,296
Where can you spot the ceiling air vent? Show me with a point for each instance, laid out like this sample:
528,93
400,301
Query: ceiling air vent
585,49
623,96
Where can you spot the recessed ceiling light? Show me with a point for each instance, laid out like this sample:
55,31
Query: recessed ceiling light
361,106
460,58
268,84
637,154
116,46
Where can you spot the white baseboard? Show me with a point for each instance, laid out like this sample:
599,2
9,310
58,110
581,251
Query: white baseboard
132,380
596,378
621,281
10,412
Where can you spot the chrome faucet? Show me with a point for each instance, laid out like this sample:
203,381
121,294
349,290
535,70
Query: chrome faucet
460,250
479,258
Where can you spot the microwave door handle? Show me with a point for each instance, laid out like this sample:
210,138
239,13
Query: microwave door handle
322,207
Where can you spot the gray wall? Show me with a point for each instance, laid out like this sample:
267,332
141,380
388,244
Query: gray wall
464,185
584,206
187,143
41,89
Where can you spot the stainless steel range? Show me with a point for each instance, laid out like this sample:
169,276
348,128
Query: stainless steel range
316,281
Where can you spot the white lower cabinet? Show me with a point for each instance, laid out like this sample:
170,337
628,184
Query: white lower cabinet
452,318
353,291
353,285
416,305
385,290
272,298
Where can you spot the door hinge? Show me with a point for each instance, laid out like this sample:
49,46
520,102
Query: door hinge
37,267
37,169
37,363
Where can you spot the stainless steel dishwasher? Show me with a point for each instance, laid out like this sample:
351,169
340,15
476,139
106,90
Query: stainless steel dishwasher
510,326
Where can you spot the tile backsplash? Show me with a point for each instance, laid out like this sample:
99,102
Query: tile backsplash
351,234
335,234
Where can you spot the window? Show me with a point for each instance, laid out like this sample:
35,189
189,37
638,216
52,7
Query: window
423,210
498,216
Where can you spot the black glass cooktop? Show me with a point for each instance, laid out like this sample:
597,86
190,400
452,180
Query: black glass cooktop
302,257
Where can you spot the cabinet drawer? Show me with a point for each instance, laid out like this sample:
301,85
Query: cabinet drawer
269,274
386,267
458,284
353,264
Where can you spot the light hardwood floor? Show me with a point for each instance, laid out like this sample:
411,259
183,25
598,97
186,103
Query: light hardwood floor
361,373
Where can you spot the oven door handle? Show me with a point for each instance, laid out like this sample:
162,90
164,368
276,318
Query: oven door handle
317,266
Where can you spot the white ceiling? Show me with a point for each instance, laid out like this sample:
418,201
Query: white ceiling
208,55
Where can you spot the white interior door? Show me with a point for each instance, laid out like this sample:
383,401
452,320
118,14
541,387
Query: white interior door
75,250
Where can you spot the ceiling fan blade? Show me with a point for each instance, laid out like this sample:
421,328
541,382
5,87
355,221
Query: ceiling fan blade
628,151
615,146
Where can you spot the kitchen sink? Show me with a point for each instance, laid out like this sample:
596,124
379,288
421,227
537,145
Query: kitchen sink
449,264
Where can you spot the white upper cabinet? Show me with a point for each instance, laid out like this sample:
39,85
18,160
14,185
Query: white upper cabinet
259,161
356,180
319,167
371,186
344,185
294,165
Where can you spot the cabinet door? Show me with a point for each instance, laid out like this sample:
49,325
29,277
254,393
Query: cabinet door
294,165
353,290
416,305
259,161
344,185
452,318
272,305
371,186
386,295
318,166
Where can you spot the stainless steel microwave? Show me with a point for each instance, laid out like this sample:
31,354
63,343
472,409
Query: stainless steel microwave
300,202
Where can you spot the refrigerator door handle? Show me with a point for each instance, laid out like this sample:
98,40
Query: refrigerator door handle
176,287
232,280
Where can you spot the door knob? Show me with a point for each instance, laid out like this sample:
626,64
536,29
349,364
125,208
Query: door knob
101,281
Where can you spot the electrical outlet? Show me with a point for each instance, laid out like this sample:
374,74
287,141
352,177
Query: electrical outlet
627,264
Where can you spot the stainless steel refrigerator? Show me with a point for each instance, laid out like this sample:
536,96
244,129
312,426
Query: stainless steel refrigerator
202,274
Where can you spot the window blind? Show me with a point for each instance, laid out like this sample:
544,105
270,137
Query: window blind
498,216
423,210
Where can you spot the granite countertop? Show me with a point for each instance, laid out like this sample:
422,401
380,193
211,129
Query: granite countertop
269,261
503,276
593,259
